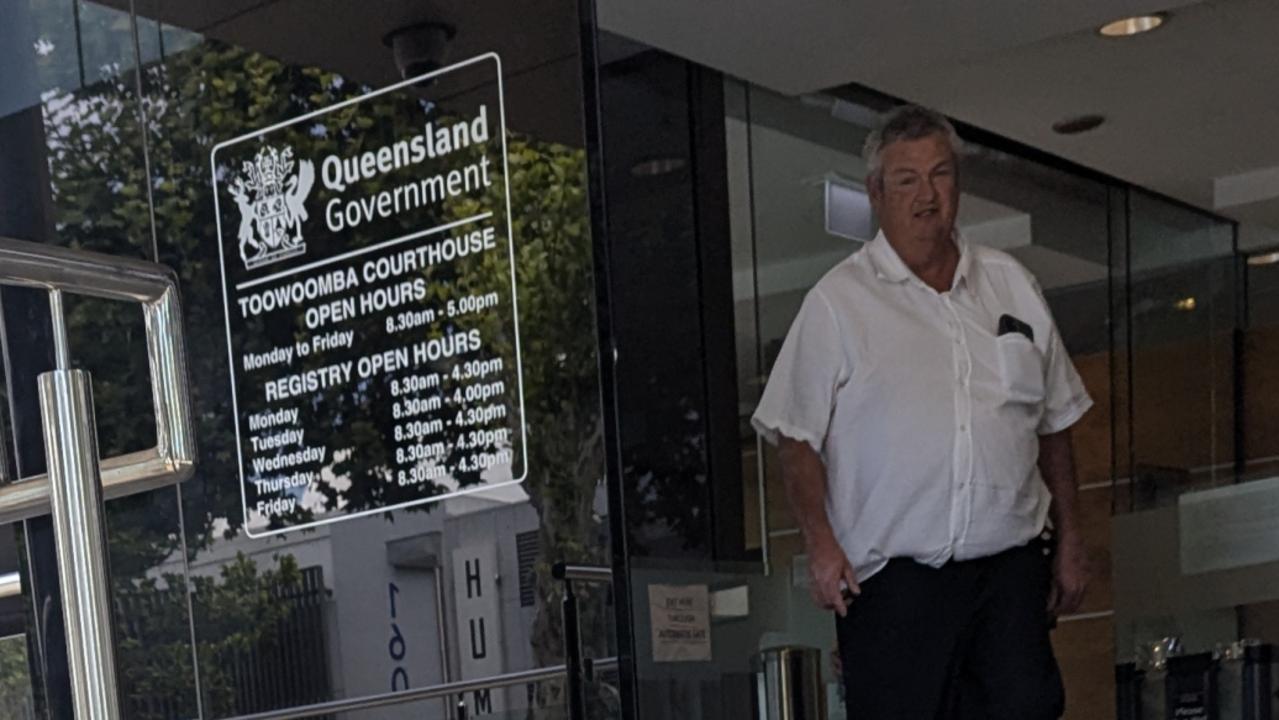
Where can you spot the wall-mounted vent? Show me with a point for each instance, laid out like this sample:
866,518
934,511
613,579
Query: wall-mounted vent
527,548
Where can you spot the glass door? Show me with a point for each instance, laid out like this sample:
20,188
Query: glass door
378,221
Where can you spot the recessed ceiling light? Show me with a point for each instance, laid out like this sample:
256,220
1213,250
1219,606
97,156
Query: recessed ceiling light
653,167
1130,26
1267,259
1080,124
1186,303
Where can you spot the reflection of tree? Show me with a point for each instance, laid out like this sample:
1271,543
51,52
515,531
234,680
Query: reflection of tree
248,616
214,92
15,680
666,494
548,187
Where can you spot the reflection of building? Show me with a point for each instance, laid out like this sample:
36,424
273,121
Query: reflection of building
388,591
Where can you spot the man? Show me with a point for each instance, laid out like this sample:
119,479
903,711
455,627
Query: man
921,403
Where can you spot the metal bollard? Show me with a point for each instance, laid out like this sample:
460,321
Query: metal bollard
788,683
75,497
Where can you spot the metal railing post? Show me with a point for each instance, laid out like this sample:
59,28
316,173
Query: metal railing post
573,654
75,498
577,669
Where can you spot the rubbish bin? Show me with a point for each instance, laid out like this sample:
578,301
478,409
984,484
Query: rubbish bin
788,682
1190,688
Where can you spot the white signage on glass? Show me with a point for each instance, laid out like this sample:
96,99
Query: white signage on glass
271,217
369,287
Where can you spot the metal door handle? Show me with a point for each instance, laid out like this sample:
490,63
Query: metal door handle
71,444
63,270
77,480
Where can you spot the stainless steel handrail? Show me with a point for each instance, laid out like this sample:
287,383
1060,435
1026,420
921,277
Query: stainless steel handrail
10,585
63,270
429,692
576,666
79,529
77,480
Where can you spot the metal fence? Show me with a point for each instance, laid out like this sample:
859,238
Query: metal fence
280,663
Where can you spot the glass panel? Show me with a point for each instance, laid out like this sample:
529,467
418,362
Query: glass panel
657,296
783,154
73,172
1056,224
212,622
1181,319
1176,338
1260,380
412,597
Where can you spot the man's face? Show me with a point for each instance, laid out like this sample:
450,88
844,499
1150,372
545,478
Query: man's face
918,195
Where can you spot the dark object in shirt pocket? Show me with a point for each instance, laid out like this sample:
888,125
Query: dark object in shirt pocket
1010,324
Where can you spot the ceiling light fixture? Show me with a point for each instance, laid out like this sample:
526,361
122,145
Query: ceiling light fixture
1185,304
654,167
1130,26
1267,259
1080,124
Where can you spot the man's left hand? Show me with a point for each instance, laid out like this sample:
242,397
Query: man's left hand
1071,573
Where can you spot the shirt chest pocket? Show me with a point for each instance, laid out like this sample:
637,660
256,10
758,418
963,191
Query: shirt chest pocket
1021,368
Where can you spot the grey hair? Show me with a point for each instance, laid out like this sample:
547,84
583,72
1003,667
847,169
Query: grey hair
907,122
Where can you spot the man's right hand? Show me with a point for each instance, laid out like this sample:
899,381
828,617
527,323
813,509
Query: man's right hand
829,574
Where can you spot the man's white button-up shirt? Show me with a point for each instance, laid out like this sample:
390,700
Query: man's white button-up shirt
926,416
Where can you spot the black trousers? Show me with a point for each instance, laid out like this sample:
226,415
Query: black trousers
966,641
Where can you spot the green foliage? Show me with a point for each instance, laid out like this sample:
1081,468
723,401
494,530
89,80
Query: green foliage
16,701
240,611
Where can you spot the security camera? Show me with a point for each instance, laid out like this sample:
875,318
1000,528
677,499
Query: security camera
418,49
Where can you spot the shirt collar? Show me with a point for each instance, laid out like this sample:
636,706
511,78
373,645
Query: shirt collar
889,265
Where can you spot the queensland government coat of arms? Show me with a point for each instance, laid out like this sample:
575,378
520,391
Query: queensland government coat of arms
271,194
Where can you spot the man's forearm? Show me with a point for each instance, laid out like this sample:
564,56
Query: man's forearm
804,476
1071,568
1057,466
829,573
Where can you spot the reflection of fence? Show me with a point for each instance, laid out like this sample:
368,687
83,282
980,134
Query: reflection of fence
280,663
288,666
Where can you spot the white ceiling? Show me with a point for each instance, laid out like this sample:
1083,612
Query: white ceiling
1190,107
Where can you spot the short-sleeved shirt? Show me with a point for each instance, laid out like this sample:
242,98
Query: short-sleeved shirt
926,417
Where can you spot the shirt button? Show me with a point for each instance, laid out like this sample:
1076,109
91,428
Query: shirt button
963,428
